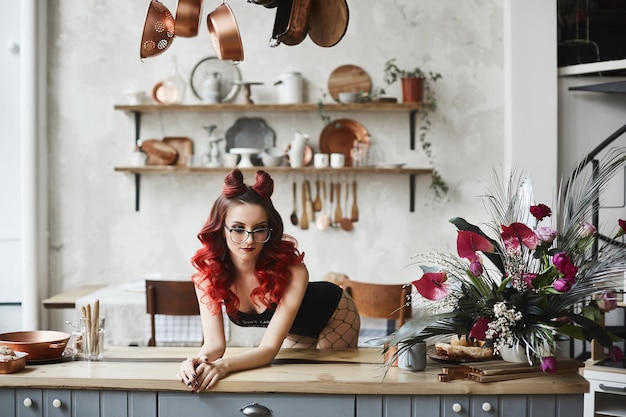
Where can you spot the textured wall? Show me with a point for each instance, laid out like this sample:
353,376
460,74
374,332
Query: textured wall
96,236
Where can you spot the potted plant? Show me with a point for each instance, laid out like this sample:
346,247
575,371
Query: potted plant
417,86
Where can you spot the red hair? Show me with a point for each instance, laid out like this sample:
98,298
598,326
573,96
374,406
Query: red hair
215,270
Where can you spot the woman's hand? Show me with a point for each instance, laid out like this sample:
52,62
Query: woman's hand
200,374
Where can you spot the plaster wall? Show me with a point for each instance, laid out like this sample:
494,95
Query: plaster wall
97,237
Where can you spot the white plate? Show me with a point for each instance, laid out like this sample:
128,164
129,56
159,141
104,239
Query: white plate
229,75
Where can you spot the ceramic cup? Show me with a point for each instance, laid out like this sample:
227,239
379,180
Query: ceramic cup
414,358
320,160
337,160
230,160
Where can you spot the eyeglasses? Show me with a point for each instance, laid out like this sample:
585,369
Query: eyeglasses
240,235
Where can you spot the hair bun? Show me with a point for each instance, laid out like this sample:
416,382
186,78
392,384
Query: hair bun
264,184
233,184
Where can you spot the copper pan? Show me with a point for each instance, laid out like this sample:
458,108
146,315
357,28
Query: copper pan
188,14
158,30
224,33
292,22
39,344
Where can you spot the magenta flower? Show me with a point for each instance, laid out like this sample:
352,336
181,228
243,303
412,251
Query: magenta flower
540,211
562,285
431,285
518,234
616,354
468,243
607,301
549,365
546,234
564,264
476,268
622,227
529,277
479,329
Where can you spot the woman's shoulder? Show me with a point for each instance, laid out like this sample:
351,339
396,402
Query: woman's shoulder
299,272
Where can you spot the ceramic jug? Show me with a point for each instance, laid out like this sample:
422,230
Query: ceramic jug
289,88
297,148
211,89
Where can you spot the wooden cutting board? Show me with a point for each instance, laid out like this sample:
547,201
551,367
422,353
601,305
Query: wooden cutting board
184,147
493,371
328,22
349,78
158,152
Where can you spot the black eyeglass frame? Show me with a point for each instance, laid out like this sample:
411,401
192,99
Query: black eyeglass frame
248,233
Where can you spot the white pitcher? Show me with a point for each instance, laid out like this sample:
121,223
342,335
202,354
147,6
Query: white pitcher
296,150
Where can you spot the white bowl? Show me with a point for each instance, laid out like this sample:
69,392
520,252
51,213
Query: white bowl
272,157
348,97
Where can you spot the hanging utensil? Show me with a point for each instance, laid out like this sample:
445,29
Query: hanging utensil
224,33
355,209
188,14
317,204
345,222
304,219
323,221
158,30
294,216
338,214
292,22
309,203
328,22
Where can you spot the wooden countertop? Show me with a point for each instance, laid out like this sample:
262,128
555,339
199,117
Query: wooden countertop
350,371
67,299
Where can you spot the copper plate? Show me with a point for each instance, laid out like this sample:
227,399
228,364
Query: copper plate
349,78
339,135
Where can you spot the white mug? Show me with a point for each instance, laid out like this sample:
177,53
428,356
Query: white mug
413,358
230,160
337,160
320,160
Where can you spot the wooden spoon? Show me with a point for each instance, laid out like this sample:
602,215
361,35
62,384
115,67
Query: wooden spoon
338,214
355,209
317,204
294,216
345,222
304,220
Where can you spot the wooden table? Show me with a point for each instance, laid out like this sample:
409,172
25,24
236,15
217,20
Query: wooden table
67,299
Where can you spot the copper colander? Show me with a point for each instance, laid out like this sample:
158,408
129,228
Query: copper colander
158,31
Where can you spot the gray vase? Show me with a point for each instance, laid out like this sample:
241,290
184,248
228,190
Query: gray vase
413,358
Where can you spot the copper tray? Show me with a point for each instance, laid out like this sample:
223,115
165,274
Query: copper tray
339,135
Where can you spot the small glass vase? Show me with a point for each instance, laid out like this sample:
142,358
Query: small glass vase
174,85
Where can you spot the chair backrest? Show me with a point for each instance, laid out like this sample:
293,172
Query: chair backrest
381,301
171,298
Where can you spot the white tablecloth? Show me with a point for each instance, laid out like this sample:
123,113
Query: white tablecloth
127,324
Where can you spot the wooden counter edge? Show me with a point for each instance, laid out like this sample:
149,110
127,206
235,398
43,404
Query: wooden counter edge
67,299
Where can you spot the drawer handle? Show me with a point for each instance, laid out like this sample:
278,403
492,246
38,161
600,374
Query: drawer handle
56,403
486,407
613,389
28,402
457,408
255,410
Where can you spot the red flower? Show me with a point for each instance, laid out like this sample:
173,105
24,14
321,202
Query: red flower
468,243
480,328
518,234
616,354
622,227
431,285
565,266
540,211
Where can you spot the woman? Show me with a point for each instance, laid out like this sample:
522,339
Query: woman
249,266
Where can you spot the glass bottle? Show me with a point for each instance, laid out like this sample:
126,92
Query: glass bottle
174,85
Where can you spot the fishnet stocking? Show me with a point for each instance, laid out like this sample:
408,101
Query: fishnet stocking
342,330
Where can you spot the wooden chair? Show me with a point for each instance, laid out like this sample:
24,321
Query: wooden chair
380,301
171,298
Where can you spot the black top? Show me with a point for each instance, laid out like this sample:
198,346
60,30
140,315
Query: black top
318,305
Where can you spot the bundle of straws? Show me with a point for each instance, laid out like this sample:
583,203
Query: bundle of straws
91,333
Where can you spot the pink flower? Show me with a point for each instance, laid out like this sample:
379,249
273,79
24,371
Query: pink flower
562,285
546,234
518,234
476,268
586,230
540,211
616,354
607,301
529,277
468,243
479,329
549,365
431,285
622,227
564,264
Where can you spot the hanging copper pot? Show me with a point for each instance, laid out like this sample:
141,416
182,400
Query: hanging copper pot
224,33
292,22
188,14
158,30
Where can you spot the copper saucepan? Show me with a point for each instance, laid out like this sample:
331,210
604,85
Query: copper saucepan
158,30
39,344
188,14
224,33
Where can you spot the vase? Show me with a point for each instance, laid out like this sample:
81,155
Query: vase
412,90
515,354
413,358
296,151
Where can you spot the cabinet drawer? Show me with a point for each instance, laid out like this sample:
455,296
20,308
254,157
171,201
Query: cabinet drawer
279,405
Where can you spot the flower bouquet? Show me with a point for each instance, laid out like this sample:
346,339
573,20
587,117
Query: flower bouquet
529,274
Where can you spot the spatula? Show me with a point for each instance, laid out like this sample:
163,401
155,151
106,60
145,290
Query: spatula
317,204
355,209
304,220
